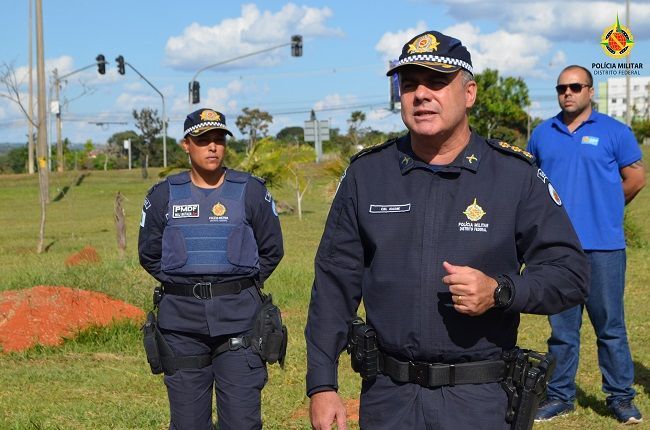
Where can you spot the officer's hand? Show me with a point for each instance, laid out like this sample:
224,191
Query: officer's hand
472,291
326,408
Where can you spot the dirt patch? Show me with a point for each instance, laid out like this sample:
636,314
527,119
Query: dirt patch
45,315
88,255
351,406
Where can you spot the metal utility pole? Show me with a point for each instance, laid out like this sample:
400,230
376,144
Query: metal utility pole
193,93
164,114
30,109
60,165
56,79
42,124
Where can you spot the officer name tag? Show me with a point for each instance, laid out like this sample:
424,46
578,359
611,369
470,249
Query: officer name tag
389,209
185,211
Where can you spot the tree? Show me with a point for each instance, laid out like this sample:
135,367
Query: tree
641,129
355,132
14,161
292,135
150,125
280,164
254,123
115,147
12,92
501,102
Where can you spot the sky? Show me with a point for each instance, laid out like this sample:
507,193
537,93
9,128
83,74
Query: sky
346,49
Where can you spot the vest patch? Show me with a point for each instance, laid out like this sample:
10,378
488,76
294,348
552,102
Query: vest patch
185,211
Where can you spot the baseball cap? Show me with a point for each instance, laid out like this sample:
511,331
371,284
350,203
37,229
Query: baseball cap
202,120
435,51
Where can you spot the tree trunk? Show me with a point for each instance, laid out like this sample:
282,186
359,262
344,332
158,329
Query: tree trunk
120,223
144,163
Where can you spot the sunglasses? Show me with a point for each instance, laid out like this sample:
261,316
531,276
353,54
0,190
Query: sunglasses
575,88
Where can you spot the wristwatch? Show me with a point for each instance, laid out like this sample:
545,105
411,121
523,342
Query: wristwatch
504,294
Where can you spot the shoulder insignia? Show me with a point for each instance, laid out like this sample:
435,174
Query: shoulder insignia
373,148
262,180
512,150
154,186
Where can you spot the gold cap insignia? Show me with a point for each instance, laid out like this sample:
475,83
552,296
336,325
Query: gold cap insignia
474,212
425,43
219,209
210,115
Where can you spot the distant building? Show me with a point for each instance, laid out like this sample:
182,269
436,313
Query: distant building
612,98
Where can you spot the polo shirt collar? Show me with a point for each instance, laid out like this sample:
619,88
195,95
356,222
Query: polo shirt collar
558,121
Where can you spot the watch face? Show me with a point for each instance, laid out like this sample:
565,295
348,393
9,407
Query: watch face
502,294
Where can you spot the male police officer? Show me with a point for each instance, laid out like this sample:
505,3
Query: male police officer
211,236
432,230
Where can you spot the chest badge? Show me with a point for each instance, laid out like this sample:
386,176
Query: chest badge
185,211
474,212
219,209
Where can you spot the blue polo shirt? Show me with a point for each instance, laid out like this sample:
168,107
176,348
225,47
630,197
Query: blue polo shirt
584,167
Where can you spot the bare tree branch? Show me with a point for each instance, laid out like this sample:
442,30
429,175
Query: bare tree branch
12,86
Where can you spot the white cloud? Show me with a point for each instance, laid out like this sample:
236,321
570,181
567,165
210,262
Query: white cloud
335,101
510,53
253,31
558,60
557,20
390,44
522,56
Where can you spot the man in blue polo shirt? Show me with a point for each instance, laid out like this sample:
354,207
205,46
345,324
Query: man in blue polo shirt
595,165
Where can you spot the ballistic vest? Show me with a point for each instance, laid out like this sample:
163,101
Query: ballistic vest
207,233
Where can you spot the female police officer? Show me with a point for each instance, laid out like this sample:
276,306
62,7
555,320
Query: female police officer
211,236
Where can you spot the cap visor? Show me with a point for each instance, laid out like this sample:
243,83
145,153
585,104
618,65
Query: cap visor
438,67
200,131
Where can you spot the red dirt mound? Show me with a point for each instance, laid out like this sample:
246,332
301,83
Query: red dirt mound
45,315
87,255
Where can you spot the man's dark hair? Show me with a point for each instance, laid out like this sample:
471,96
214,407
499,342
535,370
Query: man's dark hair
590,79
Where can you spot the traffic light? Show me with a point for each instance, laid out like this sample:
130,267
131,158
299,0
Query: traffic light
195,92
296,46
101,64
120,64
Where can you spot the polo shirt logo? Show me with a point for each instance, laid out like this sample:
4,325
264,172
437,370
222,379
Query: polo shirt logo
589,140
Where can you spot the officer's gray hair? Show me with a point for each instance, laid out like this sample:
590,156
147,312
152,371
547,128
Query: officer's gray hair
467,76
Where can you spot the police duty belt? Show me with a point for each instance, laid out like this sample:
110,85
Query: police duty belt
207,290
438,374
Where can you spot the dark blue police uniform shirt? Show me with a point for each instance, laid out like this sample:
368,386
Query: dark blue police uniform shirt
392,224
229,314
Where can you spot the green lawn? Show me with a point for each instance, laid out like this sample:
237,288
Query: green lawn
101,379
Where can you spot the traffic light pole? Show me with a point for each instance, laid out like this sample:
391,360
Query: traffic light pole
234,59
163,112
60,166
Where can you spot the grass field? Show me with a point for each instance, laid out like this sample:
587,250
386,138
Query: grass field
101,380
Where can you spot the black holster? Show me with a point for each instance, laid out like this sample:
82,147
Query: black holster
150,330
525,383
362,347
269,336
160,356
